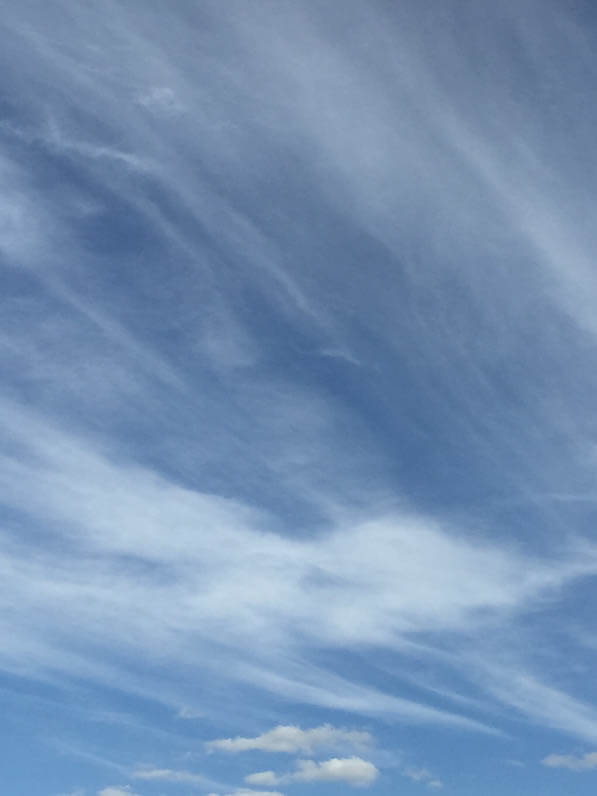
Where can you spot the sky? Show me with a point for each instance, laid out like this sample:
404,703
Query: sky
298,440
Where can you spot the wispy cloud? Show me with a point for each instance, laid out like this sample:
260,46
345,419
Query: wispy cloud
367,583
170,775
187,712
297,345
584,762
424,777
117,790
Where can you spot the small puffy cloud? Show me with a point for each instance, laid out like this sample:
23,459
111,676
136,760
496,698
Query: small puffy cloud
351,770
168,775
117,790
424,777
583,763
292,740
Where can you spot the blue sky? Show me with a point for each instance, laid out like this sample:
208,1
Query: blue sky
298,443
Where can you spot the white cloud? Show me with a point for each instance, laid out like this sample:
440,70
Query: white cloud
161,100
371,581
117,790
291,739
187,712
361,583
263,778
248,792
423,776
352,770
169,775
585,762
546,704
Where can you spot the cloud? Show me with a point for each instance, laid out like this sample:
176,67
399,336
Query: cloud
263,778
352,770
161,100
248,792
179,463
169,775
585,762
548,705
291,739
423,776
361,582
187,712
117,790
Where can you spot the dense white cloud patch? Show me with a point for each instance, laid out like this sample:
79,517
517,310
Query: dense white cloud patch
352,770
292,740
584,762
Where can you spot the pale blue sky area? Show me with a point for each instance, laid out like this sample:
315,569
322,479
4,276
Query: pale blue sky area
298,430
